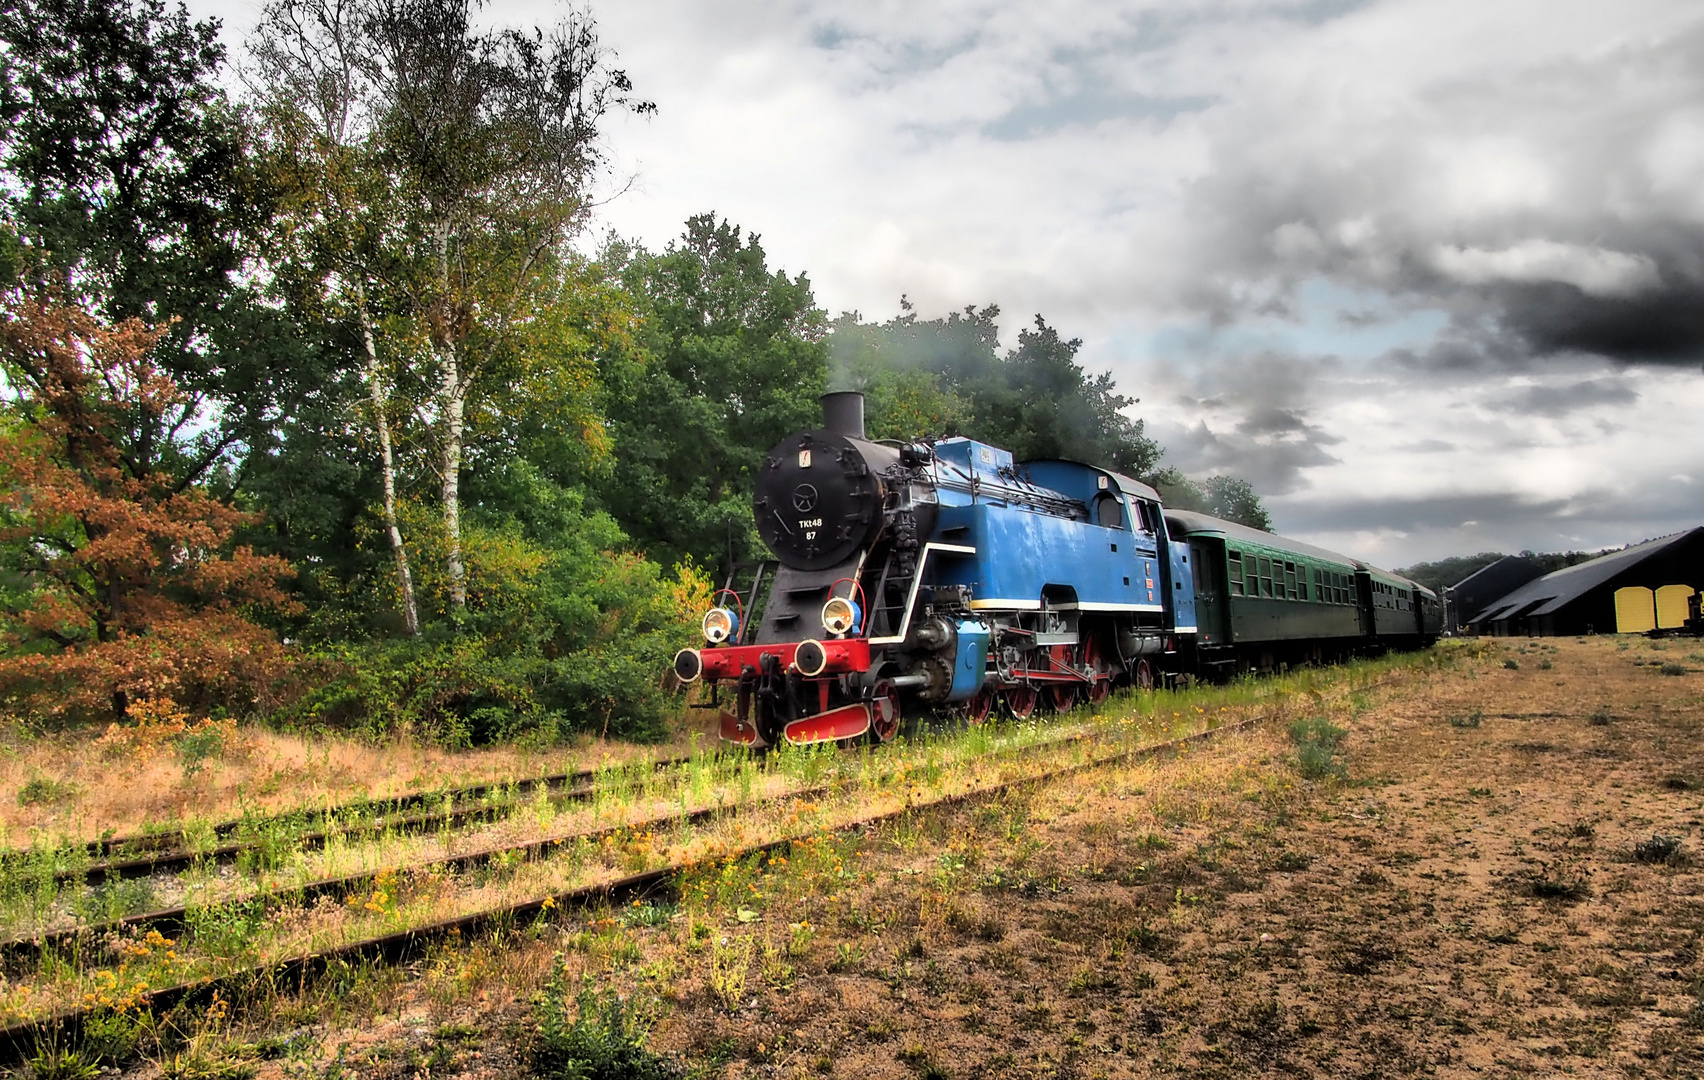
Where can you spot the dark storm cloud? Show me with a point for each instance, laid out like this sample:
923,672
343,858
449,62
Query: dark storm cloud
1261,429
1663,325
1551,202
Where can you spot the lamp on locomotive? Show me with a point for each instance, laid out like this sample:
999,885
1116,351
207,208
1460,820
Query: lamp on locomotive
720,624
841,616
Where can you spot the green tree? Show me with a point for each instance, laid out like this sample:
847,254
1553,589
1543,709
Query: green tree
1225,497
461,161
730,359
124,184
1034,400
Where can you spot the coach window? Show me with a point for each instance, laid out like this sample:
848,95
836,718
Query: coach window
1265,576
1290,581
1236,574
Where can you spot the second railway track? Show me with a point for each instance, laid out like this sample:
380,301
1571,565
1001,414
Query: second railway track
18,1041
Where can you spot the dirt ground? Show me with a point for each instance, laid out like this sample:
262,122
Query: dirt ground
1472,901
1505,882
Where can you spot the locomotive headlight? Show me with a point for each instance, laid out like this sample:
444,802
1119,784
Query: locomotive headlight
720,624
840,615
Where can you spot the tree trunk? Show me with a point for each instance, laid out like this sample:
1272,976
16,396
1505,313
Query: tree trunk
454,393
387,461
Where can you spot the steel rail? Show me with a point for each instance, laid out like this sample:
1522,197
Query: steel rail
171,921
116,847
18,1040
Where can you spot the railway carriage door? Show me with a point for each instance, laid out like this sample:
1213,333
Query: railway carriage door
1212,611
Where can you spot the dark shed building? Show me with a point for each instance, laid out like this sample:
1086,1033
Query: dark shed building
1475,592
1641,588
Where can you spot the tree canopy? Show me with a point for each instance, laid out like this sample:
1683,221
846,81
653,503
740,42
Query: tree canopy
313,408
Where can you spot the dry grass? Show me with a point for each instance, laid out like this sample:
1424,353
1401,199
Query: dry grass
1469,900
107,793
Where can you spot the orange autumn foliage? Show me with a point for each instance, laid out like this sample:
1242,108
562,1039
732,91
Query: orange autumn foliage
128,585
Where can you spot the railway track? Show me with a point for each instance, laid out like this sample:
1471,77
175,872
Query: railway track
143,854
19,1041
15,952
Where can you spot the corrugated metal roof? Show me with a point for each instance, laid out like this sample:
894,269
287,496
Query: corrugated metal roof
1545,595
1502,565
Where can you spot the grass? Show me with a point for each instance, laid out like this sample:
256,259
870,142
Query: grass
234,921
582,1032
1317,741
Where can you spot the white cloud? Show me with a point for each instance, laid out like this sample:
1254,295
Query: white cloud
1424,208
1592,270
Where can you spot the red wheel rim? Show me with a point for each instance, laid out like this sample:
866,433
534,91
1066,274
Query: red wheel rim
1143,676
981,703
884,729
1020,702
1101,688
1063,695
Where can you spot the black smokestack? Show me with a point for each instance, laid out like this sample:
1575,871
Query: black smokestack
843,413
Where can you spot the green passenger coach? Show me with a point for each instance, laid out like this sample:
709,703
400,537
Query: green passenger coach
1263,600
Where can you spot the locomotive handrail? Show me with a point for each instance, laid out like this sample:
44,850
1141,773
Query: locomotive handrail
916,583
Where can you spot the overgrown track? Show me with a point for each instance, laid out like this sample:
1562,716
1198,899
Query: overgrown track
166,851
171,862
19,1041
171,921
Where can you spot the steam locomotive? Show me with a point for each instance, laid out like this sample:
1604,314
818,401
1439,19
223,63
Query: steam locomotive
947,576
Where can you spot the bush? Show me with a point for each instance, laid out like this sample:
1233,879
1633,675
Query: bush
564,632
1317,740
603,1039
45,790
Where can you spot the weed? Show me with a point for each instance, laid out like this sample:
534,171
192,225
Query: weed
53,1063
1466,720
1555,883
1600,718
848,956
1658,849
730,961
1317,740
918,1058
1677,782
646,914
775,969
603,1035
1673,669
1545,664
1291,861
45,791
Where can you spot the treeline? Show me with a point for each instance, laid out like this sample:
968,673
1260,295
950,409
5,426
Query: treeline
316,410
1446,573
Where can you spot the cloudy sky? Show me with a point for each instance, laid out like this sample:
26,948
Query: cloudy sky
1429,273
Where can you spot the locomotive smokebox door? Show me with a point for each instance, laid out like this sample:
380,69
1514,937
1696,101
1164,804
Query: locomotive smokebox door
819,498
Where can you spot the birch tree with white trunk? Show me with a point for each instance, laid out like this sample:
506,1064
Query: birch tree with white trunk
489,141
